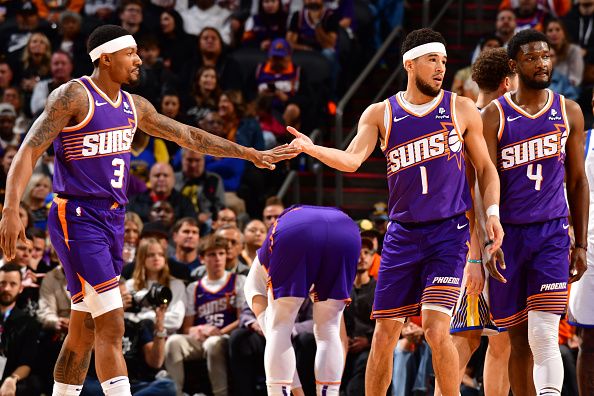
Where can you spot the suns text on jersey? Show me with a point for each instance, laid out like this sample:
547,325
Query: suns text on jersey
534,149
109,142
214,306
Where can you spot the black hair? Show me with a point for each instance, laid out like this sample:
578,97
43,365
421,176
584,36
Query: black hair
522,38
490,37
35,232
12,267
420,37
102,35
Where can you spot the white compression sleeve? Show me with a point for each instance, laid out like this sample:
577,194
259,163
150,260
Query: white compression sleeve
543,330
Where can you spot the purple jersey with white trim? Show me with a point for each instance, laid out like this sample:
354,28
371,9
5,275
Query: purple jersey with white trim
92,159
219,308
426,169
531,158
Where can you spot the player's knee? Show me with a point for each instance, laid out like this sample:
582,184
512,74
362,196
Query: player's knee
383,341
110,331
436,335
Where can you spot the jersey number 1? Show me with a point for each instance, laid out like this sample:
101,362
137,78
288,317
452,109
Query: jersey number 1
424,182
537,177
118,172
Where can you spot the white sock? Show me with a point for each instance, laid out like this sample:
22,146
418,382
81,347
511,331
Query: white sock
327,390
262,322
329,361
543,330
117,386
278,390
61,389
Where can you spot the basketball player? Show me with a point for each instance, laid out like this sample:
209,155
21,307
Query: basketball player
535,137
472,318
581,309
310,251
423,133
92,123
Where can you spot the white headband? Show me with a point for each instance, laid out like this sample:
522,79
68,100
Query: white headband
112,46
424,49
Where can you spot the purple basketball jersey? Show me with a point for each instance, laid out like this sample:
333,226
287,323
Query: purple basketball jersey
219,308
531,158
426,170
93,158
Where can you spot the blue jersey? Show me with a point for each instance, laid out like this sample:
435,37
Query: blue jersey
92,159
425,154
531,160
217,308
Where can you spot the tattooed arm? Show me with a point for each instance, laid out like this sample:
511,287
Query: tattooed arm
198,140
64,105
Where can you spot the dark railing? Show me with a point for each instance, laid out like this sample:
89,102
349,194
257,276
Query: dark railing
292,179
339,138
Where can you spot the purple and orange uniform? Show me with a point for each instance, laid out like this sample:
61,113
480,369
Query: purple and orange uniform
311,251
531,165
91,167
426,244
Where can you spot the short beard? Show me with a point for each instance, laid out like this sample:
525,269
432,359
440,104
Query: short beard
425,88
533,84
134,82
6,303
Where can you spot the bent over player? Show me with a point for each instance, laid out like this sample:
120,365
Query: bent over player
91,122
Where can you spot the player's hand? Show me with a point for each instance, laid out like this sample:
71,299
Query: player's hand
496,259
11,230
8,387
301,141
475,278
255,327
494,233
358,344
267,159
577,265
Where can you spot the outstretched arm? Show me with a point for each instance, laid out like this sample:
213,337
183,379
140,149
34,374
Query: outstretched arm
65,103
196,139
577,189
360,148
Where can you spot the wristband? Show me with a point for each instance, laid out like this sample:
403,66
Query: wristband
161,334
581,246
493,210
472,261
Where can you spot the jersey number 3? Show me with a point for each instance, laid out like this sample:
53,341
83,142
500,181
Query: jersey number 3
537,177
118,172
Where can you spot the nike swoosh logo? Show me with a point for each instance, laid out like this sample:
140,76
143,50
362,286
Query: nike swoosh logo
400,119
99,104
113,382
461,226
565,226
509,119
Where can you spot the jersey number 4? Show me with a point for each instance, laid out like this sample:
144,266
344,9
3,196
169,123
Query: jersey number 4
118,173
537,177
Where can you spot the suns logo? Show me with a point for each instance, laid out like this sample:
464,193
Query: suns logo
107,142
537,148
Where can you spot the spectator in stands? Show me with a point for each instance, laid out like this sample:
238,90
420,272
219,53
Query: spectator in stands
186,238
239,124
202,14
53,10
212,312
61,72
154,78
173,40
225,216
211,52
162,212
7,156
280,82
38,262
36,197
560,82
6,76
162,182
20,334
579,23
24,215
272,210
54,316
171,107
374,237
74,42
254,235
229,169
146,154
205,94
505,25
22,123
204,189
234,238
101,11
359,326
152,269
132,230
532,14
8,116
131,18
268,24
463,75
570,62
144,352
35,65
